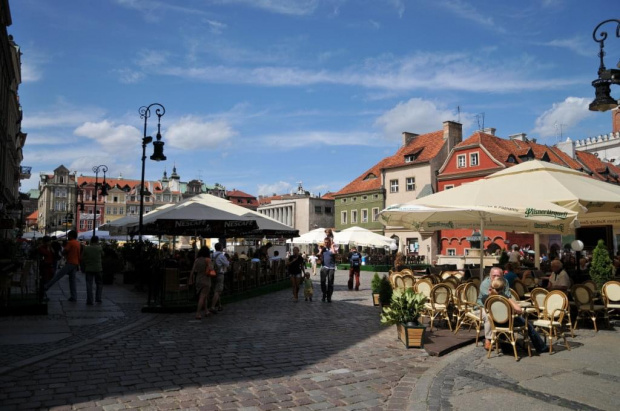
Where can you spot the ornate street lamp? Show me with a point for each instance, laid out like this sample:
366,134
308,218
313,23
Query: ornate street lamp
158,151
603,100
104,190
79,206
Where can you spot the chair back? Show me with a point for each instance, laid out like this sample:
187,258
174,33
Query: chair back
611,292
520,288
399,282
441,294
459,293
476,281
499,311
556,303
408,280
424,287
406,271
514,294
529,281
435,279
582,296
392,276
538,296
591,285
470,294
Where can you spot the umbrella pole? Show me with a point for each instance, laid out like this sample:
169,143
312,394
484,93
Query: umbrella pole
482,248
537,251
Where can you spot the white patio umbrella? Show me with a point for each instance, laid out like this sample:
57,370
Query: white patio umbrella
30,235
362,236
315,236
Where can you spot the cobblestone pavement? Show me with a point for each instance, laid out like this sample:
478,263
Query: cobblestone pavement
259,354
270,353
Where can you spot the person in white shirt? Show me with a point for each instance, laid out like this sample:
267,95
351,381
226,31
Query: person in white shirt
313,259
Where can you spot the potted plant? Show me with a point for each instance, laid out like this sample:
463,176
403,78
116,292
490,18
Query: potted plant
375,286
385,291
601,268
404,311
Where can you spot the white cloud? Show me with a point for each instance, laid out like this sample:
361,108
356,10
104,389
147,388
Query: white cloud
577,44
297,8
110,136
466,11
289,141
279,187
62,114
30,72
192,133
415,116
216,27
399,5
129,76
565,114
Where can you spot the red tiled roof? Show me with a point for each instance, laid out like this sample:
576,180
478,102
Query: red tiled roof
425,147
328,196
118,182
268,200
238,193
33,216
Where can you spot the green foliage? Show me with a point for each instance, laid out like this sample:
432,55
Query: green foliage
375,284
601,266
385,291
405,307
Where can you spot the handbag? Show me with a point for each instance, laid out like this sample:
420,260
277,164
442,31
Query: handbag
210,271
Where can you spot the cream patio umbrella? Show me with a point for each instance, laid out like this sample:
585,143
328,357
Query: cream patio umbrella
362,236
315,236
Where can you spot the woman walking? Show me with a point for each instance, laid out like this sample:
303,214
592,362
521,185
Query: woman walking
295,266
200,277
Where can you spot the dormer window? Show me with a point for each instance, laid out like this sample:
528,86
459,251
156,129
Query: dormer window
409,158
370,176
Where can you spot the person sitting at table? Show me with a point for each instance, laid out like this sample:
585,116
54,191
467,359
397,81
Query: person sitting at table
487,288
558,279
509,274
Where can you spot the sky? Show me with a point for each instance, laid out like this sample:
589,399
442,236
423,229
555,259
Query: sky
262,94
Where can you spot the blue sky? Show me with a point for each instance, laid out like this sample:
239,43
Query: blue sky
261,94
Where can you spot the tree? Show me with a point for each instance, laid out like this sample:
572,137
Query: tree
601,268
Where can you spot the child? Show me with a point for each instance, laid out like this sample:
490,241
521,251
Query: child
308,290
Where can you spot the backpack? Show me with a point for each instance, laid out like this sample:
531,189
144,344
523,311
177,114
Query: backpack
355,259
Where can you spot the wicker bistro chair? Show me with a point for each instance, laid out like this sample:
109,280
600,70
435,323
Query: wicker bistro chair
538,301
423,286
521,289
555,308
399,282
408,280
611,297
584,302
501,316
439,304
468,311
393,278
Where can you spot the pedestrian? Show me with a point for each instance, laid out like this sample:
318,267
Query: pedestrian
328,261
355,261
295,265
308,287
46,258
92,256
201,278
313,259
221,267
72,254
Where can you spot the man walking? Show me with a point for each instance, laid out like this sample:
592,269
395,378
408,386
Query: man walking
93,268
355,261
328,269
72,253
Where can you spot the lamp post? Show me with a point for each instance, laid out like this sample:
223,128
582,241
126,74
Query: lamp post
158,151
603,100
68,215
79,206
104,190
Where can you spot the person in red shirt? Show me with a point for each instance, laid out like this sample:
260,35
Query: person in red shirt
72,253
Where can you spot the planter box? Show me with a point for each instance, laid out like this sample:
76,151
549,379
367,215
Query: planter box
375,299
411,336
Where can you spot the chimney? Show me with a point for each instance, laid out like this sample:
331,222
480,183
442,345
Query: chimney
615,120
408,137
489,130
568,147
518,136
453,133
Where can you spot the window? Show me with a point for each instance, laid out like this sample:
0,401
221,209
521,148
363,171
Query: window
375,196
60,192
121,210
410,184
365,215
108,210
167,198
328,210
82,224
353,216
393,186
364,198
451,251
409,158
115,199
460,161
447,187
344,200
158,197
318,210
473,159
354,199
375,214
343,217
